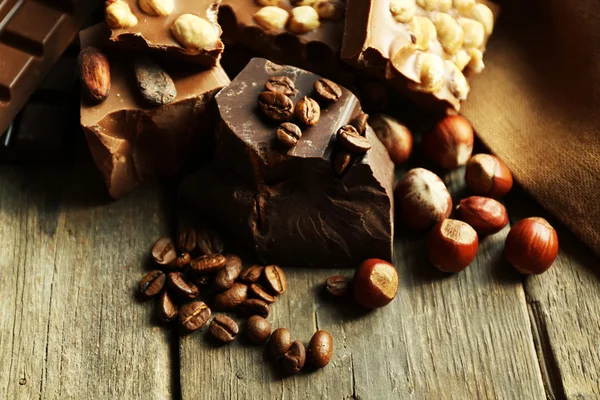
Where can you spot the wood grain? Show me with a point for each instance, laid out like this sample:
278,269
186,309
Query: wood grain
70,259
458,336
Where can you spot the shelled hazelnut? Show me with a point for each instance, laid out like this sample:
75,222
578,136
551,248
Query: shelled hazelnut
531,246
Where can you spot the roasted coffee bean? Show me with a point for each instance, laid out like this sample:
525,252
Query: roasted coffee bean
293,359
260,293
280,342
226,277
202,280
152,283
251,274
276,106
223,328
209,242
308,111
163,251
181,261
187,240
327,90
281,84
288,134
154,83
167,310
341,162
194,315
258,329
337,285
251,307
182,287
276,280
360,122
208,264
349,137
231,298
320,349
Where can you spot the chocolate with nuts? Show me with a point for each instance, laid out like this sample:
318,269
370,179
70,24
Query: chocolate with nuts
94,72
155,85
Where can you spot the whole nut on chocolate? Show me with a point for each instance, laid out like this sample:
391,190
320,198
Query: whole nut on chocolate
375,283
349,137
193,32
403,10
152,283
94,72
303,19
272,18
308,111
281,84
154,83
157,7
289,134
332,10
327,90
276,106
119,15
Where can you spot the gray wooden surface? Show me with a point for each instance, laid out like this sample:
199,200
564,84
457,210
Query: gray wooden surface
71,326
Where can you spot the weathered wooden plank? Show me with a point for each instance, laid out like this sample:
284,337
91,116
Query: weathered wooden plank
445,336
564,306
70,260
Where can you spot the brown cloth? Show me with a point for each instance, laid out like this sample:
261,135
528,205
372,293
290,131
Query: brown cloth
537,105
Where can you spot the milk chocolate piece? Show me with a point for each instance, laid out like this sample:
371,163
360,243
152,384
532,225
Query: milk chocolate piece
317,50
287,205
422,53
132,141
153,33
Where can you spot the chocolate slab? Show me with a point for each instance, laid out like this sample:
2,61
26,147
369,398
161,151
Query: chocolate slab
153,33
383,47
287,205
132,142
317,50
33,35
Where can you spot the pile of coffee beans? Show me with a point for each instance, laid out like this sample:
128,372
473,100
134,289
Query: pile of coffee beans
194,277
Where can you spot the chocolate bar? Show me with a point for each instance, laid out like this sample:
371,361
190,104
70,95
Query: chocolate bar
151,28
33,35
132,141
316,50
292,206
422,48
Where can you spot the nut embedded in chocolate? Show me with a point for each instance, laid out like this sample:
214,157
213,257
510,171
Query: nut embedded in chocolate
281,84
289,134
276,106
154,83
94,72
327,90
349,137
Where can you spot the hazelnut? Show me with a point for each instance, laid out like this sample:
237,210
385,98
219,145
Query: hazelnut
431,73
450,143
193,32
452,245
476,61
304,19
375,283
157,7
485,215
487,175
458,83
118,15
461,59
296,3
396,137
267,2
449,32
464,6
403,10
422,31
332,10
428,5
271,18
484,15
474,33
422,199
531,246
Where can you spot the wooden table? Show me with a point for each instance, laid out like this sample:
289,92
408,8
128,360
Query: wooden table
71,325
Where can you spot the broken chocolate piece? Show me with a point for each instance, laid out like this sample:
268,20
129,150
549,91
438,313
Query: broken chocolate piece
290,207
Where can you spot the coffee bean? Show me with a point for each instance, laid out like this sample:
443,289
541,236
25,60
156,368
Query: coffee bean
349,137
259,292
341,162
327,90
152,283
276,280
308,111
320,349
209,242
181,261
276,106
187,240
251,274
360,122
288,134
181,287
226,277
251,307
208,264
337,285
281,84
154,83
258,329
280,342
293,359
167,310
231,298
163,251
202,280
223,328
194,315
